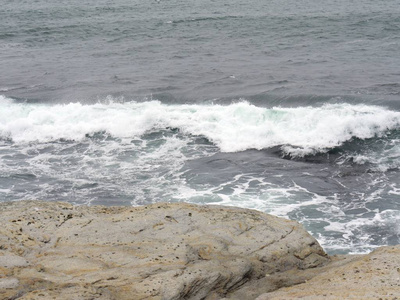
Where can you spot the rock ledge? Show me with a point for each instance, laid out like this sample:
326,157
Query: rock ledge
161,251
176,251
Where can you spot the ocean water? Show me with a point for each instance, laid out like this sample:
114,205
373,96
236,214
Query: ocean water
288,107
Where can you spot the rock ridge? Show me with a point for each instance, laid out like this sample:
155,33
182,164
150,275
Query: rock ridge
160,251
54,250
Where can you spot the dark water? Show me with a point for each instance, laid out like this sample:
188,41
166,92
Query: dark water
289,107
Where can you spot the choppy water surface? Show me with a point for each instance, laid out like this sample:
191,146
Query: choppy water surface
287,107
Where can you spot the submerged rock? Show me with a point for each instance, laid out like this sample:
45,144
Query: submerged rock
160,251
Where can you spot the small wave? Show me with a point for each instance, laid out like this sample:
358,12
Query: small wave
378,154
236,127
203,19
385,89
6,35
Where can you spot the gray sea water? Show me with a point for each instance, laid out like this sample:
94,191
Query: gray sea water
288,107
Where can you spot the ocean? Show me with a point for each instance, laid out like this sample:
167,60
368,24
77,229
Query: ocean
288,107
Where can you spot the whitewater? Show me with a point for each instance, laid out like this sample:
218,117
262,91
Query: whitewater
237,127
291,108
292,162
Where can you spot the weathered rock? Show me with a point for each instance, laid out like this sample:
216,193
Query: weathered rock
8,283
160,251
9,260
372,276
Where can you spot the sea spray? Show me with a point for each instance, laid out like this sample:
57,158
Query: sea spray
333,166
236,127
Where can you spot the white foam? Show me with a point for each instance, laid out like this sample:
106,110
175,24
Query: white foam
236,127
394,189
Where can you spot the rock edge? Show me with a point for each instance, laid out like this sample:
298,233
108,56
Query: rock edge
53,250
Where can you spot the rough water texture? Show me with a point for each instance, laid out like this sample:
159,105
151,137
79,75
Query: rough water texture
291,108
53,250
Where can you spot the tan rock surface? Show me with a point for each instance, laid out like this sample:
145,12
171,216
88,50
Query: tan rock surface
372,276
161,251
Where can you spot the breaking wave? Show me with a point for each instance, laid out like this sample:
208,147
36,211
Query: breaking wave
236,127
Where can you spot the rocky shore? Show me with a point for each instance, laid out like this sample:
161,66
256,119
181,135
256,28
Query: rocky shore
177,251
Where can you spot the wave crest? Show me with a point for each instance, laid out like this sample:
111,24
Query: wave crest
236,127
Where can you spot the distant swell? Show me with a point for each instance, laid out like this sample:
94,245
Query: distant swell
202,19
300,131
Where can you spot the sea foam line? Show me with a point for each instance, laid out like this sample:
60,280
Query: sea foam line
235,127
